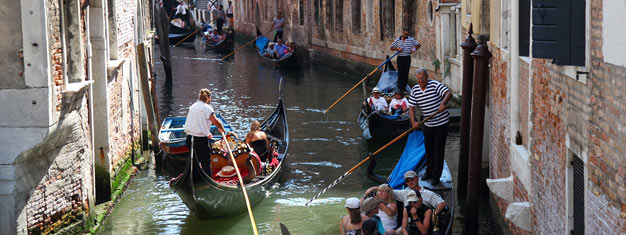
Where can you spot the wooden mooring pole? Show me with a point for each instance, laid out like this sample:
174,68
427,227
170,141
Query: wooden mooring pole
466,109
147,99
481,72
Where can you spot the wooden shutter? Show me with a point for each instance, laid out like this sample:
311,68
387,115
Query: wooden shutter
579,195
559,31
524,27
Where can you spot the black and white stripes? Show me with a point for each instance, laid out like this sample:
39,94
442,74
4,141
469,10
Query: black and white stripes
429,100
406,45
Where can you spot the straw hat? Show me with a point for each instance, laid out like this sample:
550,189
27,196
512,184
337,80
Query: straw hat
226,172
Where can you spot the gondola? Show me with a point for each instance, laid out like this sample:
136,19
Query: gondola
176,33
289,60
414,158
380,125
222,46
207,196
172,141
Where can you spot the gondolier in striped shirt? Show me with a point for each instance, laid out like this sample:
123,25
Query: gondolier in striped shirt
405,45
432,97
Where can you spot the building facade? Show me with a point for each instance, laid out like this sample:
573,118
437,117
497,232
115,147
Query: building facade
70,108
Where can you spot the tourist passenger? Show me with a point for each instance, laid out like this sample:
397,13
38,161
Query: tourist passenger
432,97
388,209
269,50
197,127
416,216
258,141
229,13
280,49
278,24
370,227
405,45
220,16
399,105
370,209
351,223
376,102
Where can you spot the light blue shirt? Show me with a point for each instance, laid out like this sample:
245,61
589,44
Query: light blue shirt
280,49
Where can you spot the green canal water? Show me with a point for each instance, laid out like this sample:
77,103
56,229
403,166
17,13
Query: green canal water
322,146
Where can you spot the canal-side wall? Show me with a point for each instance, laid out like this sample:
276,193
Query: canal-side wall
362,32
61,78
547,117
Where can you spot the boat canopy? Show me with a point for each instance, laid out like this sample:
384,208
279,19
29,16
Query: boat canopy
413,155
261,42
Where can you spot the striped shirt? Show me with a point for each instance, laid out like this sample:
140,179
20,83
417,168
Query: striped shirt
429,101
406,45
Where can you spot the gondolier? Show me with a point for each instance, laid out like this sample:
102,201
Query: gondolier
198,124
432,97
405,45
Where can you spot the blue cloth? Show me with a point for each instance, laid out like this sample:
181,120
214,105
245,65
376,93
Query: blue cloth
414,153
388,82
261,43
281,50
379,225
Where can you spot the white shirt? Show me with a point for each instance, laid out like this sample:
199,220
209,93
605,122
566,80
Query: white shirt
389,222
394,102
198,123
181,9
377,104
429,198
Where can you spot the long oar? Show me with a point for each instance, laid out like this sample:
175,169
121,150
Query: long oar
243,186
232,53
367,159
357,84
194,32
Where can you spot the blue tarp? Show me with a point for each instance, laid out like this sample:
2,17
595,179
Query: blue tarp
388,82
413,155
261,42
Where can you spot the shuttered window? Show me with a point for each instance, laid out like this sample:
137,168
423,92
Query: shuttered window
558,31
339,15
388,19
329,14
409,15
579,195
524,27
301,11
316,13
356,16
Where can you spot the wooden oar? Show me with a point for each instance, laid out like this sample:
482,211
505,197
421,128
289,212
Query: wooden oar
243,186
357,84
232,53
367,159
194,32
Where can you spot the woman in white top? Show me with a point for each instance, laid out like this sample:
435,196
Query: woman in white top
388,210
376,102
399,104
198,127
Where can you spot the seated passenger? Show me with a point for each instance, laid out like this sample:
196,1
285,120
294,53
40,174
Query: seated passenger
280,49
388,209
351,223
399,105
371,207
417,216
257,140
269,50
376,102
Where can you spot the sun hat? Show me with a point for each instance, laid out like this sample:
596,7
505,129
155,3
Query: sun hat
410,174
226,172
375,90
370,204
352,203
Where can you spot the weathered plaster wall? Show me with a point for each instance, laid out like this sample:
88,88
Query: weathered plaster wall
10,48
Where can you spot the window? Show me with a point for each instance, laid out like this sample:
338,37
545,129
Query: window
339,15
524,27
329,14
356,16
301,11
431,12
559,31
578,197
409,16
388,19
316,13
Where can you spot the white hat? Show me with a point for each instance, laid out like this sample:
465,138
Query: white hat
375,90
410,174
227,172
353,203
412,196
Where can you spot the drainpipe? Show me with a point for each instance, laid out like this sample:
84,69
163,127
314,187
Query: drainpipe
514,111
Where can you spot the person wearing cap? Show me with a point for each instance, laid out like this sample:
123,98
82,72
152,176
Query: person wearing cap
370,208
376,102
432,97
405,45
416,217
280,49
399,105
269,50
351,223
198,127
388,210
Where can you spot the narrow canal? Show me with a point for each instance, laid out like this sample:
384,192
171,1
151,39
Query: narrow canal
322,146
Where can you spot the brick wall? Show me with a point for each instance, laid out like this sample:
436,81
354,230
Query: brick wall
56,50
499,108
524,106
607,135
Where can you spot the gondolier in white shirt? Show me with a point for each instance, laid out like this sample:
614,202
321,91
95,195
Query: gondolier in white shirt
198,128
432,97
405,45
